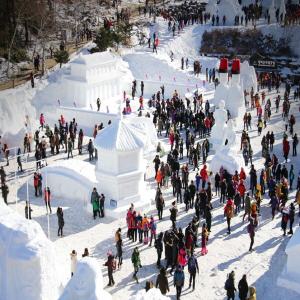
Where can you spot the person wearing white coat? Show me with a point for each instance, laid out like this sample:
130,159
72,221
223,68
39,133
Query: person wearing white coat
73,262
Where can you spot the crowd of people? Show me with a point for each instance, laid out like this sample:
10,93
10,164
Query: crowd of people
241,193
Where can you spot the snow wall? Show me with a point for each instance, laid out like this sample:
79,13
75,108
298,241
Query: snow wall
28,267
86,283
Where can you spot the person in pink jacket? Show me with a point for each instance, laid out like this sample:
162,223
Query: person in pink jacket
42,121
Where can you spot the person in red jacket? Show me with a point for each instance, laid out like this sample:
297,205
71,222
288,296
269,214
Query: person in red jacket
204,176
286,148
242,189
172,138
36,184
242,174
207,124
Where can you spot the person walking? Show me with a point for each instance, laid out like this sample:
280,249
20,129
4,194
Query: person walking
193,268
47,198
247,206
91,150
162,281
19,161
119,246
95,203
98,104
101,205
70,148
160,203
204,239
111,266
291,217
61,222
243,288
28,211
158,245
252,293
5,191
230,286
178,281
73,262
229,213
135,259
173,214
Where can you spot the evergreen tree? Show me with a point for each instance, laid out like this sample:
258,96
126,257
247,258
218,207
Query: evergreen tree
61,57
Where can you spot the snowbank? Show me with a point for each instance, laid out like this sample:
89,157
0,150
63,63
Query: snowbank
86,283
62,175
16,110
152,294
28,259
290,277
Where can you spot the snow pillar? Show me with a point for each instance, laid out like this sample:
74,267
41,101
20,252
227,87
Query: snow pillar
223,70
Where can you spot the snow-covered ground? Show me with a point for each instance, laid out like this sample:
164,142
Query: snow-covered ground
225,253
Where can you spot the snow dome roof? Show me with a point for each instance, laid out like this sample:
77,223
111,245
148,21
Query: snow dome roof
95,59
120,136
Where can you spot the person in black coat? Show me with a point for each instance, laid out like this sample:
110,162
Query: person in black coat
192,189
243,288
217,183
158,244
223,187
61,222
230,286
28,211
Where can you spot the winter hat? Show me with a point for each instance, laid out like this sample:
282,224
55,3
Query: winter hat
173,203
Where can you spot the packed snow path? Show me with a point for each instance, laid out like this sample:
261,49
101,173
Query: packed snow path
225,253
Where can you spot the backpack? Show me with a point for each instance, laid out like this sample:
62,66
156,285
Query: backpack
192,264
179,278
227,284
114,264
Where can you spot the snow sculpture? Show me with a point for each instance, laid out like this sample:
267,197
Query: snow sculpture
217,132
27,259
235,103
64,174
23,114
282,9
290,277
211,7
92,76
222,89
86,283
248,77
272,12
230,9
120,167
152,294
227,156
